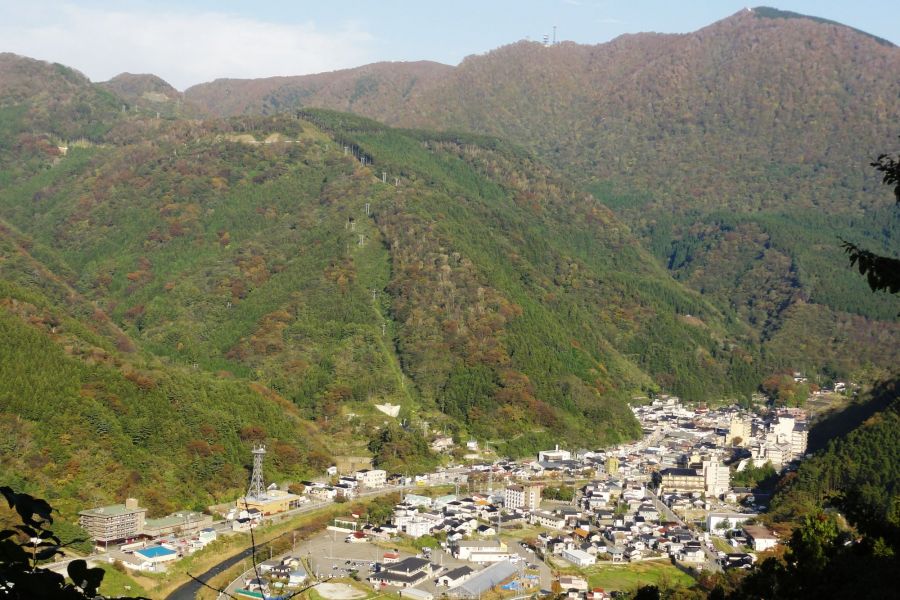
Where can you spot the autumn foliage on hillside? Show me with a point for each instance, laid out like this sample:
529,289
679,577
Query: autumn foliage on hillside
737,153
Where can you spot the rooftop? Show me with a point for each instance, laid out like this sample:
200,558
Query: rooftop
484,580
479,544
173,520
759,532
407,565
458,572
154,552
679,472
113,510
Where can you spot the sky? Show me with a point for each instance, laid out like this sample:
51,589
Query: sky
193,41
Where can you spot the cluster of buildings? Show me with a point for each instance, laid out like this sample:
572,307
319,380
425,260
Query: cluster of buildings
128,522
778,441
275,576
455,518
147,543
688,446
347,486
618,517
685,455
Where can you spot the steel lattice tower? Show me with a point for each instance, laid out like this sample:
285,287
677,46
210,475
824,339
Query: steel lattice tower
257,482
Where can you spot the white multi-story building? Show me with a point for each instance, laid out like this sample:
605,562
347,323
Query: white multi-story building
782,429
716,477
418,527
799,438
526,496
769,451
114,523
371,478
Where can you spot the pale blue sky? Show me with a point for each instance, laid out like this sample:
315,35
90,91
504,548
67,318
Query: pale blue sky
191,41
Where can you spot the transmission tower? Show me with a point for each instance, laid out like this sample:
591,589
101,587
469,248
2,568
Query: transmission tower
257,482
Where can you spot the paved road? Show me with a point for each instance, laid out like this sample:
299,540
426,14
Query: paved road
189,590
712,562
61,566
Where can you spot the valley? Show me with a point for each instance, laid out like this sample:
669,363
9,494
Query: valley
410,268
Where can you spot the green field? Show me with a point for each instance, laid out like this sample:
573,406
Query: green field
116,583
630,576
722,544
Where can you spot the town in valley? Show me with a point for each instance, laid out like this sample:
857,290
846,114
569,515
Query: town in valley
561,521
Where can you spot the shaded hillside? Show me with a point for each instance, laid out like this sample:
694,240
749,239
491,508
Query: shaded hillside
857,471
843,502
738,153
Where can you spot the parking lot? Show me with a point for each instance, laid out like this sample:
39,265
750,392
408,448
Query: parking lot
329,556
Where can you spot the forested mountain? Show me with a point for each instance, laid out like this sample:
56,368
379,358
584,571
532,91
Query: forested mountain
151,95
738,153
148,87
383,89
175,290
642,215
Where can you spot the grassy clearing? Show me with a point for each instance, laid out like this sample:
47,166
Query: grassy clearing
399,544
722,545
516,534
116,583
630,576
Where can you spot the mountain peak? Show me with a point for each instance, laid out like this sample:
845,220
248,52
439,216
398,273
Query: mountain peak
146,86
21,76
767,12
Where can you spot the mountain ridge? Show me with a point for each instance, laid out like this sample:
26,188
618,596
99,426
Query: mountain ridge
520,285
401,78
228,255
758,126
